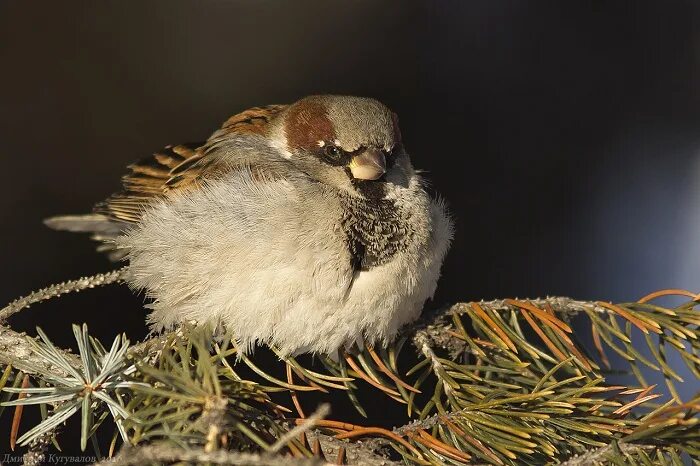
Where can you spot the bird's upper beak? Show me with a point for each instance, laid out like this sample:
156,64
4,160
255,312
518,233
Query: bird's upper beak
369,164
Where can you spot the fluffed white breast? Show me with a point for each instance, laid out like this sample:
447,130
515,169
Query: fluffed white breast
269,260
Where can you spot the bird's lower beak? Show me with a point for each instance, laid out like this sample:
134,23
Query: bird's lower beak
368,165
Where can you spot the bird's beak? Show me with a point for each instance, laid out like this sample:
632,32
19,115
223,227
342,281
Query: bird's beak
370,164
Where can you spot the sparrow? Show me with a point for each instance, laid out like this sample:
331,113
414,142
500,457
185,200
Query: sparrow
301,226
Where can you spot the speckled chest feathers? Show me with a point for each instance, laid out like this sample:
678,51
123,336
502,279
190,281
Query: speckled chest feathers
376,230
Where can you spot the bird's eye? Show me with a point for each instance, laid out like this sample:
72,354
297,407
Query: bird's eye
333,151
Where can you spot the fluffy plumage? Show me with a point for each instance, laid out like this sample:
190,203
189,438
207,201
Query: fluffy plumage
270,229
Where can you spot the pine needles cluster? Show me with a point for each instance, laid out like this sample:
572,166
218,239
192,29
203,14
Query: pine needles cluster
504,382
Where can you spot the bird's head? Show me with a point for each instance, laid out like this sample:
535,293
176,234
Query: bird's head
350,143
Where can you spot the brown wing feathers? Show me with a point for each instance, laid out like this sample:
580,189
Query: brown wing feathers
254,120
174,167
177,166
146,179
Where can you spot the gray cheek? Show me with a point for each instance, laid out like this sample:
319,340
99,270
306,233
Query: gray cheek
399,174
337,177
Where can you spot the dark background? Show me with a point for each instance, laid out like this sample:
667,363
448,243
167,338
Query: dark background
563,134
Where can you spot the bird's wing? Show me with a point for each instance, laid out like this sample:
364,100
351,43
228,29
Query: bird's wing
178,166
173,168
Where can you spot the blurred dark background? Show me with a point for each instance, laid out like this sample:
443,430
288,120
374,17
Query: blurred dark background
563,134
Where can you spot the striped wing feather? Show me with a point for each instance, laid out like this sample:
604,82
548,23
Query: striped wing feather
177,166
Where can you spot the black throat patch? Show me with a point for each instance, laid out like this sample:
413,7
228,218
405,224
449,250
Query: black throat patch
376,230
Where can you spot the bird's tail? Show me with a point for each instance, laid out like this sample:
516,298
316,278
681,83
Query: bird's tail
103,229
89,223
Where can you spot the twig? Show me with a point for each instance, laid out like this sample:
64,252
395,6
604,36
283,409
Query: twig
308,424
16,350
167,453
36,454
424,424
356,452
421,341
435,325
599,454
59,289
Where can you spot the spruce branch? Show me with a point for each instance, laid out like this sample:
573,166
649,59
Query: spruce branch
675,422
602,455
359,452
17,351
162,453
306,425
85,388
483,389
53,291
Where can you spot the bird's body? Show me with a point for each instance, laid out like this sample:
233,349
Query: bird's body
266,231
